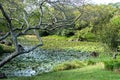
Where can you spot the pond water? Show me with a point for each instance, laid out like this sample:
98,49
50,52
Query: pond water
40,61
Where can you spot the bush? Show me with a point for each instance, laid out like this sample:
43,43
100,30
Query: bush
109,33
112,65
90,62
69,65
109,65
86,34
90,36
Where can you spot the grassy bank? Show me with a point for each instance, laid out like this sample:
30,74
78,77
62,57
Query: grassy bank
92,72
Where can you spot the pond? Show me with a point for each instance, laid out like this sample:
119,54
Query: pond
40,61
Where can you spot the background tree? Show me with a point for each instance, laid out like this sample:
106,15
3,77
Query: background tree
110,33
89,24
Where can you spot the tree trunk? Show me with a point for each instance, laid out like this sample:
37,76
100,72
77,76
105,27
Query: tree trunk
8,58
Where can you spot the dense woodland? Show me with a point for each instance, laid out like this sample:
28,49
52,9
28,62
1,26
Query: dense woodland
55,39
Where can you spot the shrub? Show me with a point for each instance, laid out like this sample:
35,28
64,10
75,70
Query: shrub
69,65
117,65
90,62
108,65
112,65
90,36
86,34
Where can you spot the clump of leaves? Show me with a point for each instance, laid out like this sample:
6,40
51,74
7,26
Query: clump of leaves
112,65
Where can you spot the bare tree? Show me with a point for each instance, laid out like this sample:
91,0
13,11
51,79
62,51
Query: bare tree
21,14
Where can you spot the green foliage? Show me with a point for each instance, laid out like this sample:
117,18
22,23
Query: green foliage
3,29
110,33
64,43
6,49
112,65
57,42
90,37
69,65
109,65
100,48
80,24
94,72
90,62
82,33
85,34
96,19
115,20
65,32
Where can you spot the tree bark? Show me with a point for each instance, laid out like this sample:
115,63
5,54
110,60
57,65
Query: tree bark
14,54
8,58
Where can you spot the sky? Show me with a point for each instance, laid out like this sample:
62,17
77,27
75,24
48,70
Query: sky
104,1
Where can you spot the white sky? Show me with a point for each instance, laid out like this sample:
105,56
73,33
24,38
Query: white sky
105,1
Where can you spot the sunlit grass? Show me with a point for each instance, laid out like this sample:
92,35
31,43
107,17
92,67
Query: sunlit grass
64,43
6,49
69,65
92,72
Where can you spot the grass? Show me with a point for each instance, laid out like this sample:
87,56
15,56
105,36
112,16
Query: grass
64,43
92,72
69,65
6,49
